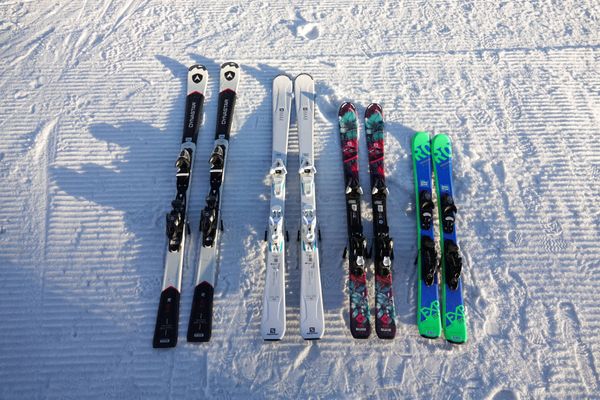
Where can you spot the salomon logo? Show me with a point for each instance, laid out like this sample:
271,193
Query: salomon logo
272,331
229,75
311,330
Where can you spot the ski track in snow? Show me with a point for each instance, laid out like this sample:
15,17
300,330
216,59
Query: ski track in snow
91,116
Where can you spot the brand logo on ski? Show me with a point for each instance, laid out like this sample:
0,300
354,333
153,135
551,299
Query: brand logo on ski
229,75
197,78
422,152
442,154
192,119
225,112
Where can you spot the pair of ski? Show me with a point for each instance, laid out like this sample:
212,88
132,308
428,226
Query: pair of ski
312,321
382,246
167,320
426,153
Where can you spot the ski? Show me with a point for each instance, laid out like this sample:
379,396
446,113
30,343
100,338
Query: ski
273,315
428,302
312,319
356,250
383,246
167,319
453,309
200,324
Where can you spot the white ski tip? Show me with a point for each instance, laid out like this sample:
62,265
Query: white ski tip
230,76
305,81
197,79
282,81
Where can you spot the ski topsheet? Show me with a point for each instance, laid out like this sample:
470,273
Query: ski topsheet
356,249
385,311
273,314
167,319
312,319
428,302
200,324
453,309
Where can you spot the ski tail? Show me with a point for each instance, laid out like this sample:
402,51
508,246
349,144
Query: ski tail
383,245
167,319
200,325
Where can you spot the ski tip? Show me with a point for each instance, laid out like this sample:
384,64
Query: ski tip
347,107
373,108
305,75
230,64
282,83
229,77
419,138
282,77
441,139
197,66
197,79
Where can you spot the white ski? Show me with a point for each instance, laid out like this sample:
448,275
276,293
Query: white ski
312,320
273,315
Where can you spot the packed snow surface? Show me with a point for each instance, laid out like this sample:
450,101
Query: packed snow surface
91,113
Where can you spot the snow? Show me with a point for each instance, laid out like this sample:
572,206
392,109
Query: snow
90,120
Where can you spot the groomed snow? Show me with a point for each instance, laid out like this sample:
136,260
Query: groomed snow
91,111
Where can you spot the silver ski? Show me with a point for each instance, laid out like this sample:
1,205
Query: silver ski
167,320
200,324
312,320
